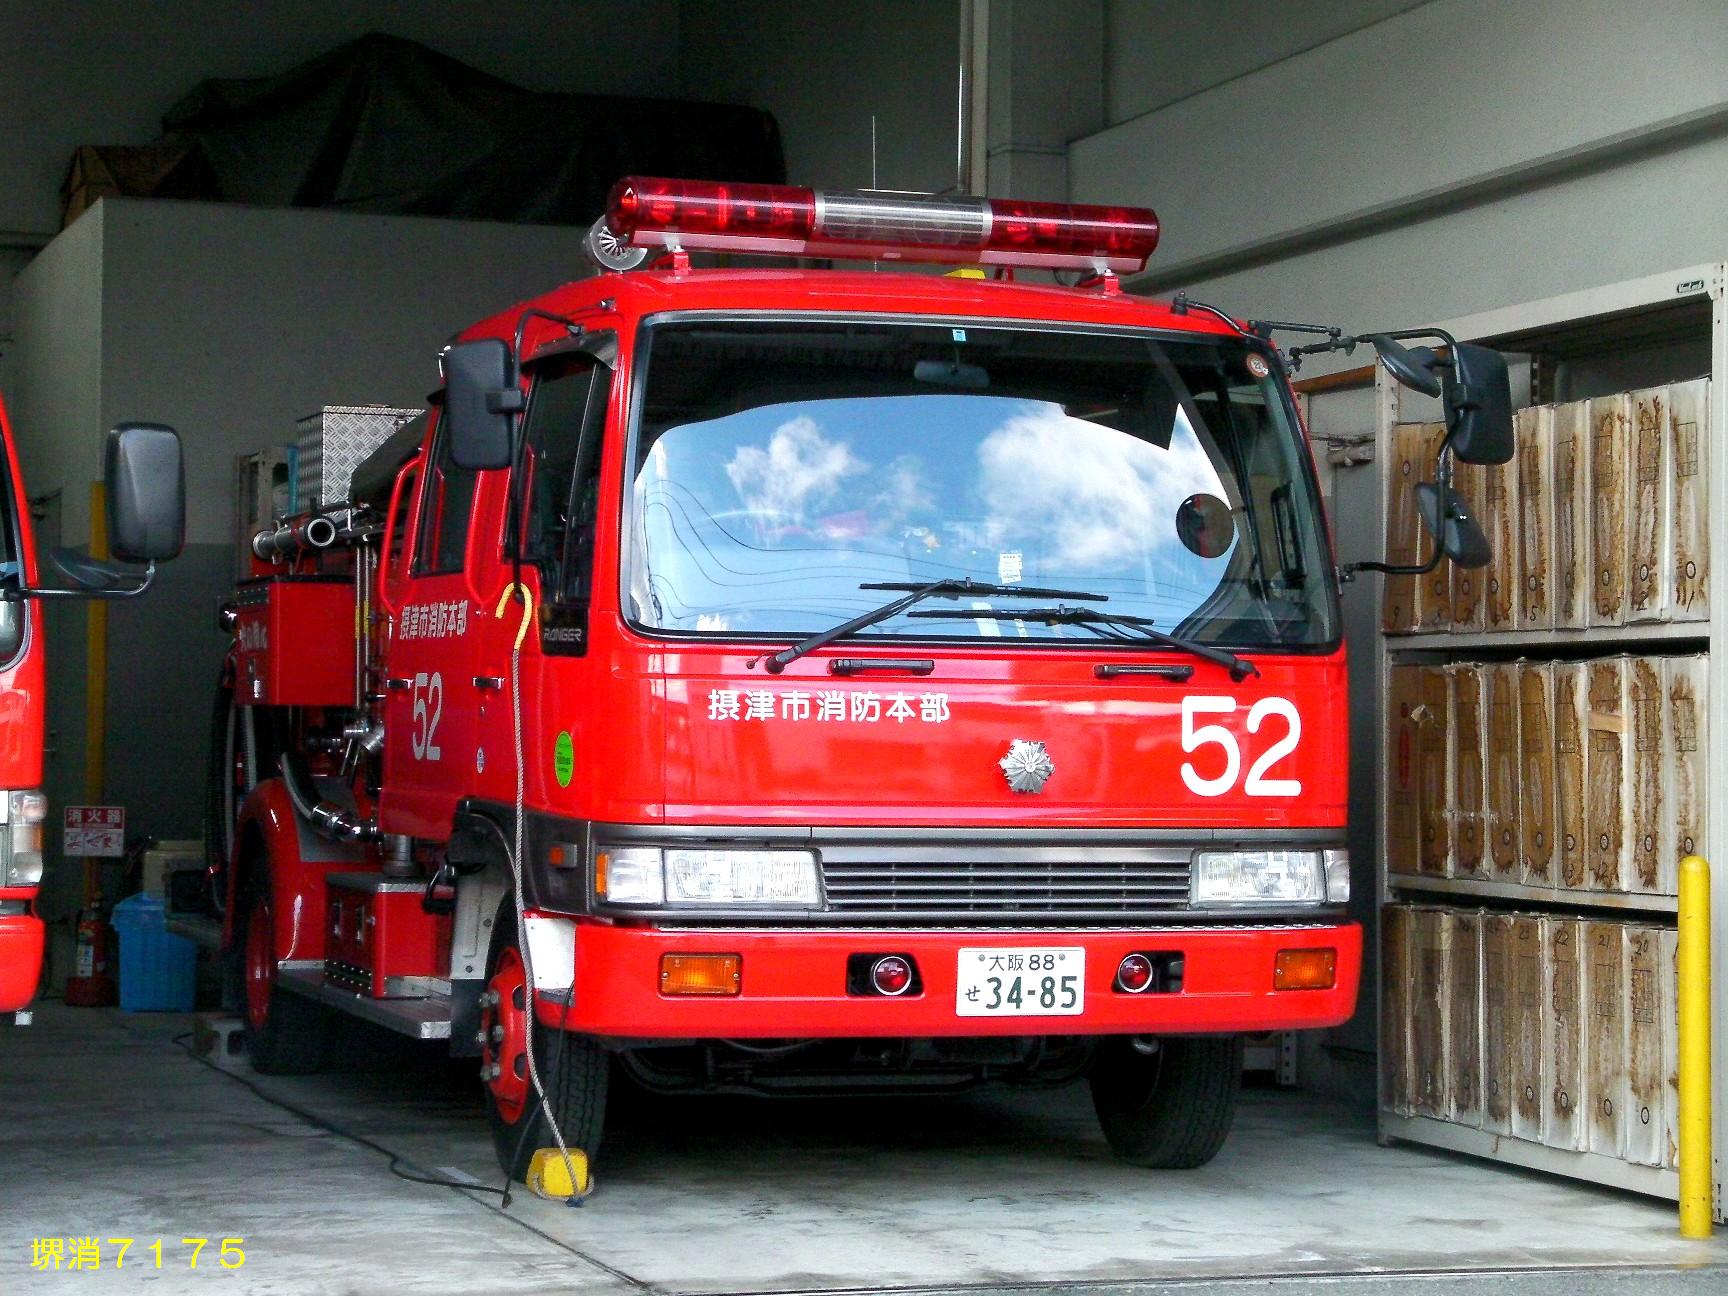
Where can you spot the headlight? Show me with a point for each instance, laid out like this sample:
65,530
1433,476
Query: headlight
28,807
25,811
631,875
648,875
1268,877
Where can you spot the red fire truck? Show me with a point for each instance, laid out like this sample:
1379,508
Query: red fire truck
792,679
145,524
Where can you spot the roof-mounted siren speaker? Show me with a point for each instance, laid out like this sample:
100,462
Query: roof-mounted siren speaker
609,251
784,220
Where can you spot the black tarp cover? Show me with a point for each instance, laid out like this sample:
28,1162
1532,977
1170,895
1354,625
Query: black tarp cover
387,125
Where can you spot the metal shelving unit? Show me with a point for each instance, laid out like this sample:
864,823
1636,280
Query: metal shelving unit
1481,888
1683,307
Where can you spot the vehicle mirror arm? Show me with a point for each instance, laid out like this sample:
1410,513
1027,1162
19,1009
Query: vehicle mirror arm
1443,475
15,594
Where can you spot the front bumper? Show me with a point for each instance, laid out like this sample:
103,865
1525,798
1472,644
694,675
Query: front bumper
21,938
794,983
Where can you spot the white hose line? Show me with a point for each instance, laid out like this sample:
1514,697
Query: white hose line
516,878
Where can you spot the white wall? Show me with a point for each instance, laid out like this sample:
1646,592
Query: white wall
1452,105
1157,53
823,70
104,71
231,322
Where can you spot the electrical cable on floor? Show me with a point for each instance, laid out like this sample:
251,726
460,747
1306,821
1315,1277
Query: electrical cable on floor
397,1160
521,593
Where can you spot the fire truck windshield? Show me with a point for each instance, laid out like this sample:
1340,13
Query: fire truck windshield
778,467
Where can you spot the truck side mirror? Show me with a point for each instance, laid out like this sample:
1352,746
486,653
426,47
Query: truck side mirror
1414,368
146,487
1478,401
1448,517
481,399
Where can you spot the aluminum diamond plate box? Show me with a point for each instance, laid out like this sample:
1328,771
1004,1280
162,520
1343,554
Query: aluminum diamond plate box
333,441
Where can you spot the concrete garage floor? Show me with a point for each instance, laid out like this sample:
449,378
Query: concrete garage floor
108,1129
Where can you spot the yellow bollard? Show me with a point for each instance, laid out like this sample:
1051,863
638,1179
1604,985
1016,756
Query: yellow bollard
1697,1196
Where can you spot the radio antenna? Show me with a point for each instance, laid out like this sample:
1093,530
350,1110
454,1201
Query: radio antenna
873,183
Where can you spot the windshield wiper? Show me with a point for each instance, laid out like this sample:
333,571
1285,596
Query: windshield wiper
952,587
1117,625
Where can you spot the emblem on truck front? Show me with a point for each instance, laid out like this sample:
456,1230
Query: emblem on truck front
1027,766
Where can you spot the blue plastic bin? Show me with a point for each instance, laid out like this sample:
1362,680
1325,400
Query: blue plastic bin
158,970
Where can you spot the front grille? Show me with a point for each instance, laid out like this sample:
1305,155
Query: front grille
1008,884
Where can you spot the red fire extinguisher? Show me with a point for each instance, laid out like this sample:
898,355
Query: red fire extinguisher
91,984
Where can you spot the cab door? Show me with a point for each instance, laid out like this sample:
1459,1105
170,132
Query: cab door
430,689
559,502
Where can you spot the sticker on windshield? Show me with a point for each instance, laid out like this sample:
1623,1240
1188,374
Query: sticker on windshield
827,706
1010,567
1257,365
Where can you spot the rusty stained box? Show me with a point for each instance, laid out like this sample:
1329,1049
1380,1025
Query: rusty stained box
1563,1114
1604,959
1607,775
1498,978
1571,740
1535,466
1649,507
1685,784
1404,715
1570,574
1687,459
1433,786
378,940
1428,1016
1610,499
1536,788
1395,962
1643,1126
291,632
1505,772
1463,997
1500,521
1526,1034
1469,770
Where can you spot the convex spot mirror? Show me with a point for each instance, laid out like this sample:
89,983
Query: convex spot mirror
146,488
1448,517
1205,526
1478,401
481,399
1413,367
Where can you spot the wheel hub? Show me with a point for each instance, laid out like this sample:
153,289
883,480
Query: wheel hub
504,1028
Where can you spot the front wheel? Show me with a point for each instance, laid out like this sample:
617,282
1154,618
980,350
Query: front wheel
286,1033
1167,1104
573,1068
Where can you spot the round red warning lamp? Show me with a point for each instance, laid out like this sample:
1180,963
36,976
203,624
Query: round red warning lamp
1134,973
891,975
647,211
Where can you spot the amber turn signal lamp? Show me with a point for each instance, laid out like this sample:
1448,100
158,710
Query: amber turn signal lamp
701,974
1305,969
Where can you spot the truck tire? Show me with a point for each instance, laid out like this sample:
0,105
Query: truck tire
1170,1109
573,1068
286,1033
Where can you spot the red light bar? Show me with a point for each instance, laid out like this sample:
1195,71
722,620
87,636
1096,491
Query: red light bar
792,221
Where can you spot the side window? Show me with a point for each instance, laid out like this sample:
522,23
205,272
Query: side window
445,513
566,413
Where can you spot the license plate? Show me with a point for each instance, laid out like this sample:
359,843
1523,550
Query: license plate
1020,983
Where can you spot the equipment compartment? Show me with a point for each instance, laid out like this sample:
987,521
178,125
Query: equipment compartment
284,629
